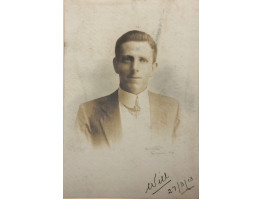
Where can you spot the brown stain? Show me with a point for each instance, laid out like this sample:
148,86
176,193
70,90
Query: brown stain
167,7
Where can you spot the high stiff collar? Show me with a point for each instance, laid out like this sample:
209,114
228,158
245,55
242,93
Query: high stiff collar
129,99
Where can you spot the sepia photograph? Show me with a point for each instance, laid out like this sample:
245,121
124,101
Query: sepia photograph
131,99
131,109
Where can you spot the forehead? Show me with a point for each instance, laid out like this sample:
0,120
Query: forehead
134,48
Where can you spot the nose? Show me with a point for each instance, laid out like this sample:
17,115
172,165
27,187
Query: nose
135,66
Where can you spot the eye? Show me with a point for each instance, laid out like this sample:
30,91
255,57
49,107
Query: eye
126,59
143,60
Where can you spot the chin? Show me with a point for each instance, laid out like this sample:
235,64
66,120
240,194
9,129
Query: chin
135,90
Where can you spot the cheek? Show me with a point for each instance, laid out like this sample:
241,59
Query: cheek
123,69
148,70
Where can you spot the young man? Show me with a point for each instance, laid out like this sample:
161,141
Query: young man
131,114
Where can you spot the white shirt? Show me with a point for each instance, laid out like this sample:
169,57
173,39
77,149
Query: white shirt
134,129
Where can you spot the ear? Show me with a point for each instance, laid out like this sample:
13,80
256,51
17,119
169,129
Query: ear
115,64
154,67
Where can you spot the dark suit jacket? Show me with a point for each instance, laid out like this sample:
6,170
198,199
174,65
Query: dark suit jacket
99,119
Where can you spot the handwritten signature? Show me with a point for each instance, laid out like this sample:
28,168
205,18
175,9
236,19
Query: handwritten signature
157,181
162,179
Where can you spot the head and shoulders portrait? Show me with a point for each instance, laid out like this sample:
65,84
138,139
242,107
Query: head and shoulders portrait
132,112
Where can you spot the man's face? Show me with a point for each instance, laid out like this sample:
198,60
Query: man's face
135,66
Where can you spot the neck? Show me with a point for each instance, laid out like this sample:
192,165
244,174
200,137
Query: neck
135,92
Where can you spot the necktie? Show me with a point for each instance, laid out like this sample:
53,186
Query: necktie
136,109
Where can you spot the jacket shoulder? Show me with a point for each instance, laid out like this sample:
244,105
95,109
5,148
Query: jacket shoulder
99,101
162,99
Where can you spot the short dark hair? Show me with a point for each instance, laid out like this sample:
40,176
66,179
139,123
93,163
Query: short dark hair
136,36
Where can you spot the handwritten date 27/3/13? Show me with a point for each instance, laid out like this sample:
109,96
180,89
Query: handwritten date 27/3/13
162,179
182,186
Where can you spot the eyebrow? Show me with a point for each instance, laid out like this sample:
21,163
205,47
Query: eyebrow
144,58
126,56
129,56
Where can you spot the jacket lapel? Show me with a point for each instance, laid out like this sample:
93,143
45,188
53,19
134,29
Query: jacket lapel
158,115
110,122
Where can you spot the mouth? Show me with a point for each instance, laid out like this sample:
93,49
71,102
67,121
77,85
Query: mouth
134,77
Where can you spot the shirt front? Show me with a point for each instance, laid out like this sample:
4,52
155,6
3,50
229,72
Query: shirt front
135,128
